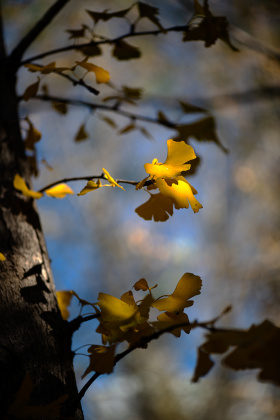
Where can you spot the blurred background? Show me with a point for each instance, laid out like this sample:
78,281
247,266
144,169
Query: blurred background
98,243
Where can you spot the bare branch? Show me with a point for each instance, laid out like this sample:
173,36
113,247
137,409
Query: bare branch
23,45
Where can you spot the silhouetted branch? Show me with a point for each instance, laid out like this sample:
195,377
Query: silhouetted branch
108,108
50,14
103,42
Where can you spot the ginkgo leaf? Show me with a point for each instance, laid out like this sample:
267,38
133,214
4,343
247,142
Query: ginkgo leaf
102,76
191,109
31,90
59,191
102,359
203,365
105,16
81,134
124,51
178,153
108,121
141,285
76,33
91,186
48,68
149,12
2,257
141,183
115,311
63,300
91,50
180,192
158,207
20,184
132,93
169,319
127,129
111,179
33,135
188,286
60,107
128,298
204,129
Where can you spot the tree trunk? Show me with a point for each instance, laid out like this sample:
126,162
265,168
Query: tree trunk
34,339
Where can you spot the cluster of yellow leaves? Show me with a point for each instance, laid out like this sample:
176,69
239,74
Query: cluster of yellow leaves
58,191
2,257
92,185
126,319
174,189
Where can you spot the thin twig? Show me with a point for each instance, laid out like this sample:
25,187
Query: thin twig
108,108
103,42
88,178
23,45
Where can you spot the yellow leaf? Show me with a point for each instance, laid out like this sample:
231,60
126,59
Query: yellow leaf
111,180
141,183
48,68
178,153
188,286
102,359
59,191
141,285
33,135
169,319
19,184
31,90
128,298
115,311
102,76
180,192
91,186
64,299
158,207
2,257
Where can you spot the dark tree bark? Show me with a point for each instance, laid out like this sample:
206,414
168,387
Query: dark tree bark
33,337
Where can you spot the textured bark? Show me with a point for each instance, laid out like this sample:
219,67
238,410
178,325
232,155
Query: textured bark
33,337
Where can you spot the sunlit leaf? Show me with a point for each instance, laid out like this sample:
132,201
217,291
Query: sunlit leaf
33,135
31,90
102,76
141,285
2,257
149,12
180,191
64,299
91,186
20,184
111,179
158,207
59,191
178,153
124,51
141,183
170,319
188,286
204,129
81,134
128,298
102,359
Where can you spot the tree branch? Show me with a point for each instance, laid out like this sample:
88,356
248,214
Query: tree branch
89,178
23,45
103,42
108,108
